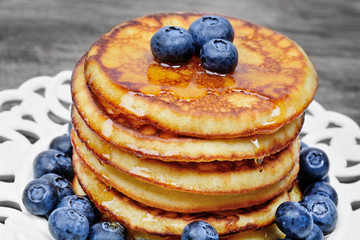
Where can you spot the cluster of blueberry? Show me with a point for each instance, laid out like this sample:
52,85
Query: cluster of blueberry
316,214
210,36
51,195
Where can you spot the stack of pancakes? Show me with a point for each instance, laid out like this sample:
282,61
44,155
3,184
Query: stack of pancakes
157,147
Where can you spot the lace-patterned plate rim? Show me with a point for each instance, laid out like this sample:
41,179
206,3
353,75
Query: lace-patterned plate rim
36,112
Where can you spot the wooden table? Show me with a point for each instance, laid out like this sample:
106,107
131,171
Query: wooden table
43,37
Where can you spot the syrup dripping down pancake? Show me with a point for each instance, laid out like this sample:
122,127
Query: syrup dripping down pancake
141,142
271,86
171,200
166,223
226,177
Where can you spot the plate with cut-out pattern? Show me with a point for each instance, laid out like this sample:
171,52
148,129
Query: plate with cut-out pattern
36,112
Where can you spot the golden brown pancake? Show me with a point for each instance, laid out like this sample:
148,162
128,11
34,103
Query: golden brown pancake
171,200
77,188
165,223
147,141
227,177
271,86
270,232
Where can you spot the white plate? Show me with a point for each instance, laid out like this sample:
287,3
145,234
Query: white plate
32,115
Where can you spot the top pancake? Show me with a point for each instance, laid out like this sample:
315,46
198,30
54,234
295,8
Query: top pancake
143,140
272,84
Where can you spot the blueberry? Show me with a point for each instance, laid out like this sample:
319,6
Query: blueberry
315,234
304,183
63,144
108,231
322,188
53,161
40,197
172,45
293,219
83,204
323,211
199,230
218,55
314,164
63,186
68,224
210,27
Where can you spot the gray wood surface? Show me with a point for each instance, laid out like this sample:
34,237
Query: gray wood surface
43,37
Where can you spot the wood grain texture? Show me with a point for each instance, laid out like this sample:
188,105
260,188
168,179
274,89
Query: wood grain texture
43,37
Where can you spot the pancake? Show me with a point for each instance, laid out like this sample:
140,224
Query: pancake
271,86
227,177
77,188
165,223
141,141
171,200
270,232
